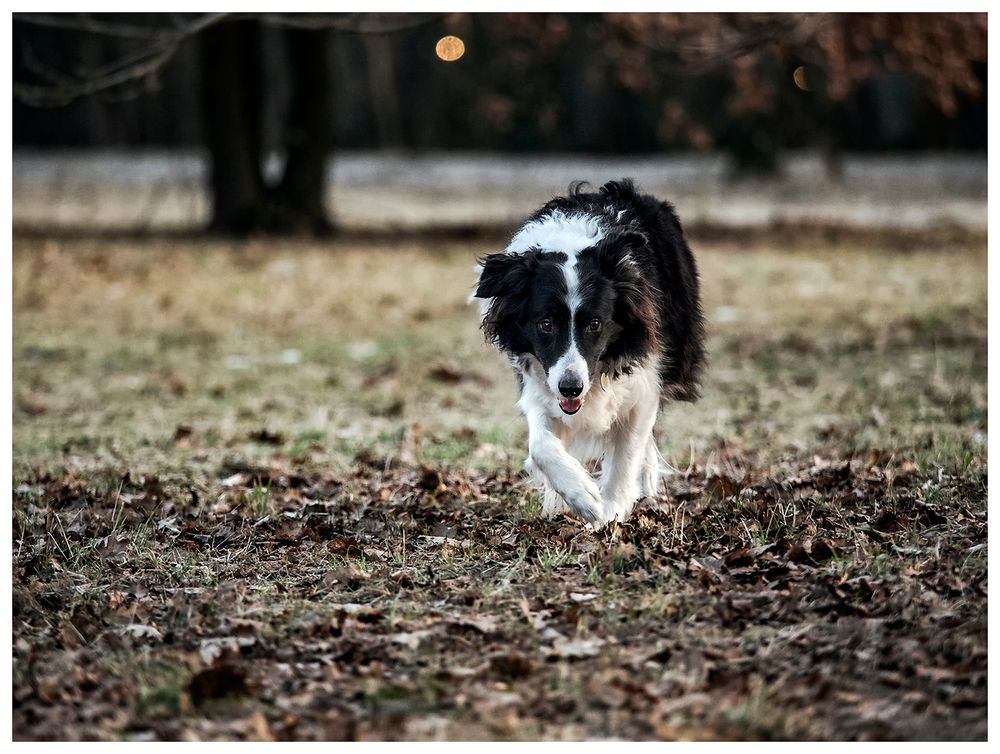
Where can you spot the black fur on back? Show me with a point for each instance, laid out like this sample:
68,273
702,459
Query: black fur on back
665,263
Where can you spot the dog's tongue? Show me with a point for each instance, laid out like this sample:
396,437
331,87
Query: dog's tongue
570,405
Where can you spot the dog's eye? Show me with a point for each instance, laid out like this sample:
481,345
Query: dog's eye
545,325
594,325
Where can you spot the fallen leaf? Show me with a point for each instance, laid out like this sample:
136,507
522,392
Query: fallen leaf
216,683
411,639
140,631
577,648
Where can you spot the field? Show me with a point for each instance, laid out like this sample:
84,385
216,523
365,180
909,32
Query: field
273,490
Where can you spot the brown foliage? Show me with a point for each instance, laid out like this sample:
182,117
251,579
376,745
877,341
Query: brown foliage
827,597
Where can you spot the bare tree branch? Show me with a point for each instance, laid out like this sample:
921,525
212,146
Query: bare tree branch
66,93
705,55
87,23
355,23
63,88
161,44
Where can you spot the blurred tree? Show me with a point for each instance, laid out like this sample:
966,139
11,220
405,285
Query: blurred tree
233,103
246,196
750,84
829,58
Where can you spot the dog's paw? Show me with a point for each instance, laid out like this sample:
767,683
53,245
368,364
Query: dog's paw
584,498
552,504
619,501
620,508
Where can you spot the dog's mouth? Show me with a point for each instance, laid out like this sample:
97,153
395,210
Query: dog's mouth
570,405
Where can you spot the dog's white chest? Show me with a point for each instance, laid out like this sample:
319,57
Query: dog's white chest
596,417
607,410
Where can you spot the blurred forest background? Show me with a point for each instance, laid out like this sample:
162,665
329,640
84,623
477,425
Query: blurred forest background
271,97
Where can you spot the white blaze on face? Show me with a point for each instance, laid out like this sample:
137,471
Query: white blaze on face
571,364
569,234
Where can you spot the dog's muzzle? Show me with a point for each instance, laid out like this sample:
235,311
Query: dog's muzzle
570,386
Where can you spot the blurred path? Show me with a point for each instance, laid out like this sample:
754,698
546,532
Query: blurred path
156,191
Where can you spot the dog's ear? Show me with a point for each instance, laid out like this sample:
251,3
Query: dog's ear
615,250
505,279
502,274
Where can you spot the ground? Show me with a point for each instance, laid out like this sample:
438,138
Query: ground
273,490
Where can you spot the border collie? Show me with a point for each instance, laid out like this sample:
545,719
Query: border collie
595,302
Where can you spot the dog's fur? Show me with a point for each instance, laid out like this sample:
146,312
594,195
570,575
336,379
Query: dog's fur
595,300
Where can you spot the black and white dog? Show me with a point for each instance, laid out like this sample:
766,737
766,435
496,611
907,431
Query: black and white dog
595,300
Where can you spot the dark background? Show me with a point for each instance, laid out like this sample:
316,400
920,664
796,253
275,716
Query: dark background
580,82
272,96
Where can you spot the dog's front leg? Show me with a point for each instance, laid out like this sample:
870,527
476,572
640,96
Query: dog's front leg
564,473
629,449
552,504
650,471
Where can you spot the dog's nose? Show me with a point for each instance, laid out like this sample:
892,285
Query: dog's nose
570,385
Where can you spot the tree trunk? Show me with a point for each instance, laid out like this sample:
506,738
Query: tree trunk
231,106
382,82
297,201
232,87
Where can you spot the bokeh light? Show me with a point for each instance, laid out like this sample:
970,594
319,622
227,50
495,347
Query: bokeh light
799,77
450,48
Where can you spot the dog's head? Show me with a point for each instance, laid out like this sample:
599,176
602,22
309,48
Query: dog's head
579,315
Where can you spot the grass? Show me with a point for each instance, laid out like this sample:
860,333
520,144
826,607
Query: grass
337,350
308,454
